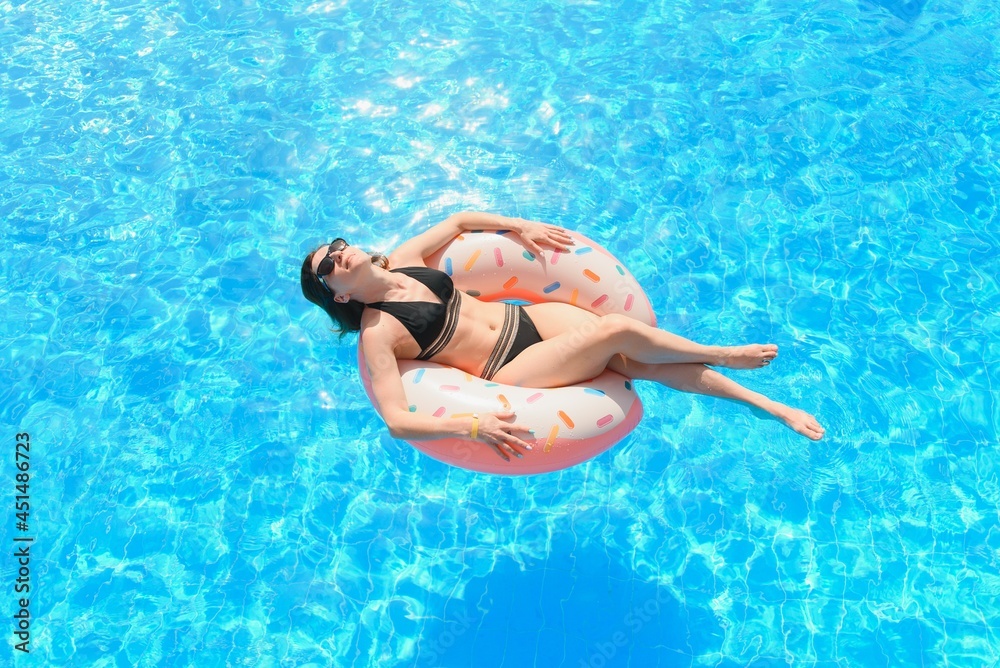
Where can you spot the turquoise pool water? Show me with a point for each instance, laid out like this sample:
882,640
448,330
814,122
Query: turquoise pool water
210,486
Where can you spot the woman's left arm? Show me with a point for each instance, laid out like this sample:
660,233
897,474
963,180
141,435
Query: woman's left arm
427,243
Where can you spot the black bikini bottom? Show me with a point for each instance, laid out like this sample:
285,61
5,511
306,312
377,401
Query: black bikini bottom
518,333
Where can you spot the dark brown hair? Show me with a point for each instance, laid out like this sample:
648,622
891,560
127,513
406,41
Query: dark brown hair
346,317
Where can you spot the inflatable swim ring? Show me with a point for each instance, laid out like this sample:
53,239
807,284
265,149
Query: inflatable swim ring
571,424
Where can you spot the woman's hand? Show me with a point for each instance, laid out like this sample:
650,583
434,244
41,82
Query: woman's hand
495,430
533,234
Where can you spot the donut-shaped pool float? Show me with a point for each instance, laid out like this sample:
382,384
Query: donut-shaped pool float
571,424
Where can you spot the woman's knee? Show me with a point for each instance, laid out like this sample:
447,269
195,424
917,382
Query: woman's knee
614,325
597,335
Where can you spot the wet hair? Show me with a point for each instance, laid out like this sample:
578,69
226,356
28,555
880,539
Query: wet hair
346,317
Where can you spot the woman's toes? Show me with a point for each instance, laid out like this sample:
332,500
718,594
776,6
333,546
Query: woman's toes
815,428
767,354
802,423
751,356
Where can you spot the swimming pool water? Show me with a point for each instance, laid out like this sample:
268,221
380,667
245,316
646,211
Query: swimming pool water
210,485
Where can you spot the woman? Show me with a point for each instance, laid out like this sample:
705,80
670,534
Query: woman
414,312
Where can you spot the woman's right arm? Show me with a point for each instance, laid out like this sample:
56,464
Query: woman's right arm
387,386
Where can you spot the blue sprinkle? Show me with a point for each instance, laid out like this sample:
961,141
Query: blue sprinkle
491,384
413,408
628,385
447,266
420,374
528,256
584,250
620,270
549,288
590,390
503,231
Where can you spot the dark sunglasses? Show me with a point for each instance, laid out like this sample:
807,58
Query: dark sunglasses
327,264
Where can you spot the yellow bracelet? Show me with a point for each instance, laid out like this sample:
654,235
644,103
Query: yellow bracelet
475,425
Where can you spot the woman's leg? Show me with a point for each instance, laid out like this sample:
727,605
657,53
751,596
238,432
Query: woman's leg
578,345
699,379
642,342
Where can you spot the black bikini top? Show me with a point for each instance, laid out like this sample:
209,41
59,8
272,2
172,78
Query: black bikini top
431,325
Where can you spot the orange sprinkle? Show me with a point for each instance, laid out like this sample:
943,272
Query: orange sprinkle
472,260
565,419
572,297
511,282
503,400
455,415
468,377
551,438
591,275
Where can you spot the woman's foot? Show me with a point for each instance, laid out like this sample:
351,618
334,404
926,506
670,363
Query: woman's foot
747,357
798,421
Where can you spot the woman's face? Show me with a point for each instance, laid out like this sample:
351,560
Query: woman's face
337,265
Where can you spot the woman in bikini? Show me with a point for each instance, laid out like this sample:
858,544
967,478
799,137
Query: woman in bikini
414,312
